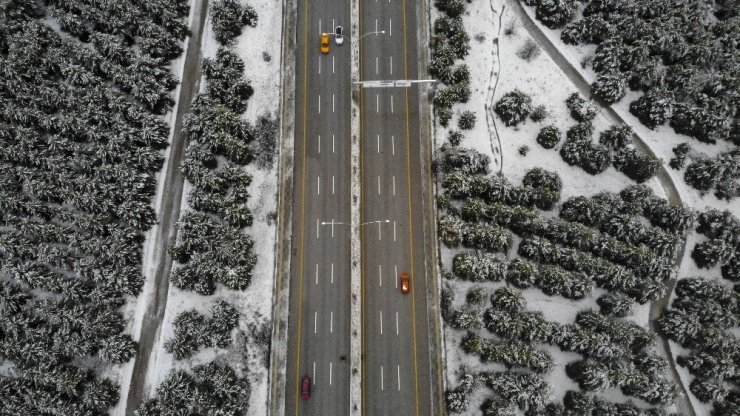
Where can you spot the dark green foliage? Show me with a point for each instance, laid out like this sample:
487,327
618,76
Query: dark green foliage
476,295
581,109
555,13
615,304
616,137
83,86
523,390
539,113
216,252
637,165
210,389
548,137
653,108
229,17
541,178
225,82
680,152
512,354
464,160
457,399
580,150
720,174
455,137
193,331
708,254
466,121
513,107
610,86
700,319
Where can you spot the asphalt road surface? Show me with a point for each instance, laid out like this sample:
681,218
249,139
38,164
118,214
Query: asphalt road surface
319,327
395,352
396,365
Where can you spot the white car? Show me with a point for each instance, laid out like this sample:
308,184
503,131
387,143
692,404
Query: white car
339,35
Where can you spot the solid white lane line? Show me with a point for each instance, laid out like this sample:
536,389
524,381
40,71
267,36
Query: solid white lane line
395,276
376,65
318,185
314,373
331,323
332,184
317,228
391,103
332,273
378,143
381,377
330,365
332,103
332,64
380,275
319,103
378,186
393,145
377,103
394,188
391,66
332,143
315,320
317,273
396,322
381,322
319,143
394,230
398,374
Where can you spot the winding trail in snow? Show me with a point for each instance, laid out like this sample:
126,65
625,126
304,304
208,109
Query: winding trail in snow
672,194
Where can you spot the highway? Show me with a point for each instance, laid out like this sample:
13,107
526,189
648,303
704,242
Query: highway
396,371
396,377
319,326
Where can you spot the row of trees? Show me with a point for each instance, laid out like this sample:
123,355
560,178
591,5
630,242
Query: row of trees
81,142
552,280
701,319
194,331
723,245
679,54
448,43
616,354
717,174
212,246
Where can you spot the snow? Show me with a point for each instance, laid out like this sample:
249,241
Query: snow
255,303
542,79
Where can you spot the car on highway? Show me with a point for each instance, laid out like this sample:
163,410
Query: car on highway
324,43
405,283
306,387
339,35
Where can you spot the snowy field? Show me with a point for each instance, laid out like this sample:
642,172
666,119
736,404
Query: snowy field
546,84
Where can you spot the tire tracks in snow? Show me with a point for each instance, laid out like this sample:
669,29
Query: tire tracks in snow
170,202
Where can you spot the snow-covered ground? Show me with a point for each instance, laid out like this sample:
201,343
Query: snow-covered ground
255,303
546,84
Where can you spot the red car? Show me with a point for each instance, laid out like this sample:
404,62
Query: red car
405,283
306,387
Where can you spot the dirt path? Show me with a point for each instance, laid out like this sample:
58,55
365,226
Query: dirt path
672,194
169,214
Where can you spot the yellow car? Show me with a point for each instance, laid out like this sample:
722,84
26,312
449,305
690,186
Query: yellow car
324,43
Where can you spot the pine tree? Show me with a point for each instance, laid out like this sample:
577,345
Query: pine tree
513,107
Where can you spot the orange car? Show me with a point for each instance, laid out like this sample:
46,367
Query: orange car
405,283
324,43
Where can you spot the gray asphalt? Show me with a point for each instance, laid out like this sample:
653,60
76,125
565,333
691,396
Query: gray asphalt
396,364
319,327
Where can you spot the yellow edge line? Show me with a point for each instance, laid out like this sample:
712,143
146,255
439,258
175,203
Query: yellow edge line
362,245
411,224
303,208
